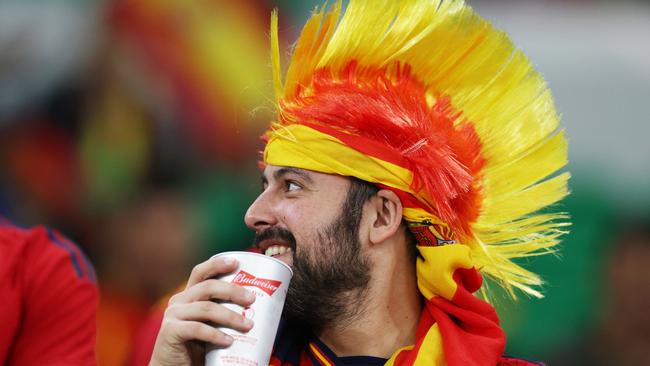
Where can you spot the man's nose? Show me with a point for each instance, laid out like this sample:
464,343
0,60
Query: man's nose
260,214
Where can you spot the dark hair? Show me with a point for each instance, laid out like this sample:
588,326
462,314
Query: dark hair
359,193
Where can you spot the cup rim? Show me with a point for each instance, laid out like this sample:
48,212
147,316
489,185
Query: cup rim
254,254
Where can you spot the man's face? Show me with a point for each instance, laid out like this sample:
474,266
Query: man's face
304,219
300,201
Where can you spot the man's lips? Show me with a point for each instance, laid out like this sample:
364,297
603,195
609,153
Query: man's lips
275,241
277,250
273,247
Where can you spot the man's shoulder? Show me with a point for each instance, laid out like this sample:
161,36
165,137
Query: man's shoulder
53,297
44,249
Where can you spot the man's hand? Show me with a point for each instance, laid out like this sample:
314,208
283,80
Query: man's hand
184,328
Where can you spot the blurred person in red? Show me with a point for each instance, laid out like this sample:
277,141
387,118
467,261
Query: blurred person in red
413,150
145,249
49,299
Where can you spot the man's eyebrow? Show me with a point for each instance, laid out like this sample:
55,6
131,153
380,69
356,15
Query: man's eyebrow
284,171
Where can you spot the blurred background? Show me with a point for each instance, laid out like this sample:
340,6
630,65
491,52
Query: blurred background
133,126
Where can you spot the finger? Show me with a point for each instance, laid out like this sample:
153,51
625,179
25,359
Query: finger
212,312
214,290
191,330
211,268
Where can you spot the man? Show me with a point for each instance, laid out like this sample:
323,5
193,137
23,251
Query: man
414,146
49,299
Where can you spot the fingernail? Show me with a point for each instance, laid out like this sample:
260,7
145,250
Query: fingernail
229,339
229,261
249,296
248,322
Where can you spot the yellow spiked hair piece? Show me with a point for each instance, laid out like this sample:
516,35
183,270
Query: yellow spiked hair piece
454,55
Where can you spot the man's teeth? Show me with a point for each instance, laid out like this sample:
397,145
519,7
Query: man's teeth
276,250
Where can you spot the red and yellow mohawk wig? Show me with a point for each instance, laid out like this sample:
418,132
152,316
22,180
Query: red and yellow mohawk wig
433,90
426,98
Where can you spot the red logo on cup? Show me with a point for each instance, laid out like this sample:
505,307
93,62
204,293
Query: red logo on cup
244,278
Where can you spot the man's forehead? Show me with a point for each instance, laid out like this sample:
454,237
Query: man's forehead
274,172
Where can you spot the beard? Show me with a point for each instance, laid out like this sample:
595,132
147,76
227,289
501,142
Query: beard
330,278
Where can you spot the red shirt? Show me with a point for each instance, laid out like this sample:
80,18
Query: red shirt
48,299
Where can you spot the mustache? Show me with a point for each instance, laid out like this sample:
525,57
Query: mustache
275,233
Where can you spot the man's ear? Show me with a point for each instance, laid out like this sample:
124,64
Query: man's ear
387,216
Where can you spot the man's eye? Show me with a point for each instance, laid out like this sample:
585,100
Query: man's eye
292,186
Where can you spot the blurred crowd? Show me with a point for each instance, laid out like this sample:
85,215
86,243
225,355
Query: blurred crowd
133,127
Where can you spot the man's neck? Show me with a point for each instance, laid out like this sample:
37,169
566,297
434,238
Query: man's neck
387,320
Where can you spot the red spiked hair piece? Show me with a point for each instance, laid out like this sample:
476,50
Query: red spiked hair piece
442,152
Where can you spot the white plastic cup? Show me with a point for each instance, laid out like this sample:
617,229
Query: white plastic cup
268,278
